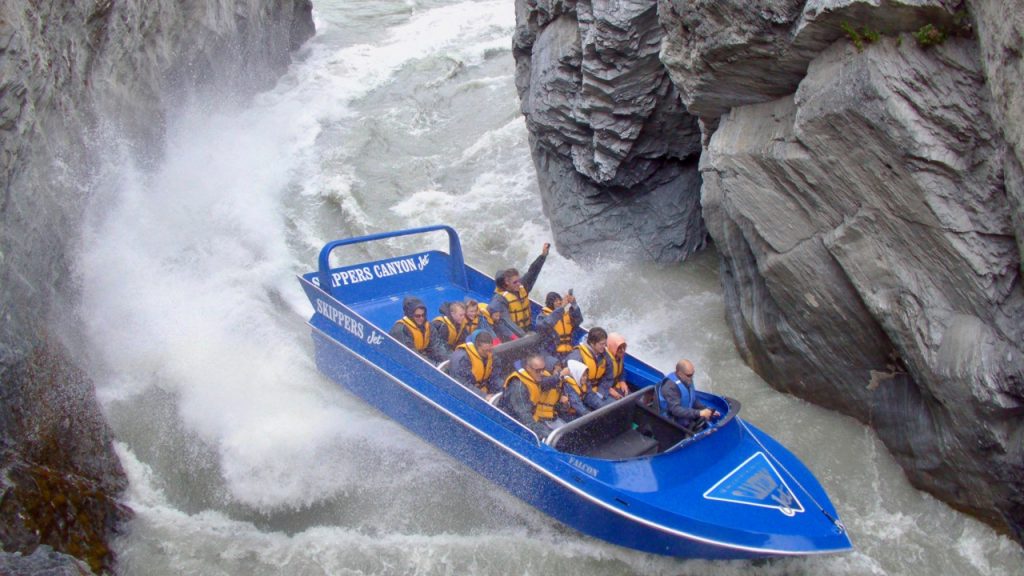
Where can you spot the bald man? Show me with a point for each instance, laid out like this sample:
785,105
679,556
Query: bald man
678,397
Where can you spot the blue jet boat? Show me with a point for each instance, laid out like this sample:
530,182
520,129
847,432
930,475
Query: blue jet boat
622,473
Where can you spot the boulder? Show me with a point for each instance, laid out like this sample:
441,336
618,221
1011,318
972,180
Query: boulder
729,53
884,175
614,149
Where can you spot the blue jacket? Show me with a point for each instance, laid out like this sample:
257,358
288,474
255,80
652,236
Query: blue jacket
679,400
607,380
580,406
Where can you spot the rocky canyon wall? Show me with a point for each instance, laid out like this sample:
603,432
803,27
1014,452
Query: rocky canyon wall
71,74
860,177
615,151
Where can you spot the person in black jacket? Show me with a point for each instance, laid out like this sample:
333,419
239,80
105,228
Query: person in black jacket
412,329
512,294
531,394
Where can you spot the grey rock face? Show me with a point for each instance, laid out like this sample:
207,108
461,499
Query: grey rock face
68,72
885,175
44,561
613,147
868,206
730,53
999,29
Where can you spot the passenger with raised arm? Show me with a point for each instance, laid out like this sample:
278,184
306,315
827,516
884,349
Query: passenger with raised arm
472,364
592,355
531,394
578,396
512,293
557,321
412,329
677,397
449,329
616,361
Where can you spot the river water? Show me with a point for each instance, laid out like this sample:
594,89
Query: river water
244,460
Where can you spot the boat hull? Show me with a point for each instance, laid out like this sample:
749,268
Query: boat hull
512,460
720,494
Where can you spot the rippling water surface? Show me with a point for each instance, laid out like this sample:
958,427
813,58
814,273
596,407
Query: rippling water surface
244,460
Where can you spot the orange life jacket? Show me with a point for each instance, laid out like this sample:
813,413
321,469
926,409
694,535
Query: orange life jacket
543,401
420,336
481,368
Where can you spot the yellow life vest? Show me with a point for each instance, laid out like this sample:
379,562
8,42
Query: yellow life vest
616,367
481,368
595,369
455,335
519,307
485,313
543,401
474,325
581,391
420,337
563,328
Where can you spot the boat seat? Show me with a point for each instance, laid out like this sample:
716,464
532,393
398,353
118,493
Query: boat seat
507,354
629,444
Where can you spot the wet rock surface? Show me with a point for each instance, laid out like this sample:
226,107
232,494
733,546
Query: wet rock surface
863,187
611,141
44,561
58,471
72,74
893,192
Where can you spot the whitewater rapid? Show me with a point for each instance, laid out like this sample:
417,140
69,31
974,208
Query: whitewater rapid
243,459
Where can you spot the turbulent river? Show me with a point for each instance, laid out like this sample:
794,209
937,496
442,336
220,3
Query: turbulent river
244,460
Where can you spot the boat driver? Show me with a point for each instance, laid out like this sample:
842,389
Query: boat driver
678,398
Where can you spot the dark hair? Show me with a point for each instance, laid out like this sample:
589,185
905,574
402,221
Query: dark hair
532,356
550,300
596,335
483,337
510,273
499,279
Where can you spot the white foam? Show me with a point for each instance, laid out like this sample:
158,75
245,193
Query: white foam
188,284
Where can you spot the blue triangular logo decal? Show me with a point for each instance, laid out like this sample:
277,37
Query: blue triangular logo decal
756,482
